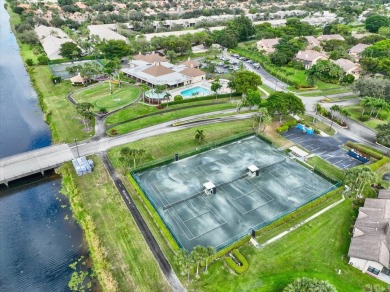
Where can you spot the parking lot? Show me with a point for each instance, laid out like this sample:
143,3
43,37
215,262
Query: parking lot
328,148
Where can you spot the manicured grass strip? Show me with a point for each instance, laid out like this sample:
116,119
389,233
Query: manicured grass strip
243,262
62,117
326,167
117,246
99,95
169,116
315,250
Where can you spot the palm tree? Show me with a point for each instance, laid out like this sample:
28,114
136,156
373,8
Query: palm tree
333,109
109,69
344,114
167,96
125,152
364,102
198,254
317,110
134,153
84,109
256,120
381,105
215,86
141,155
231,87
199,136
210,251
183,260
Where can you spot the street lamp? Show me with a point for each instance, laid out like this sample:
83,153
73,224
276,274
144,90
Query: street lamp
77,147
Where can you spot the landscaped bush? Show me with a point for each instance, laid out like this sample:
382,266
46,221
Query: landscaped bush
363,118
379,163
365,149
178,98
291,123
237,269
282,129
56,79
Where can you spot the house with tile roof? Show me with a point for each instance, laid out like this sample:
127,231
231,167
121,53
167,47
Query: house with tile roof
267,45
355,51
349,67
310,57
370,243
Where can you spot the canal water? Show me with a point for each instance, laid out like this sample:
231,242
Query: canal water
39,239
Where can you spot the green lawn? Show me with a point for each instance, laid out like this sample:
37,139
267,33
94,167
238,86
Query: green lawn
168,116
65,123
129,258
99,95
356,110
141,109
317,249
330,91
326,167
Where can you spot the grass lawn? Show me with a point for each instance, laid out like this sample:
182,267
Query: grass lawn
326,167
326,92
130,260
64,121
315,250
318,125
99,95
381,171
169,116
141,109
356,110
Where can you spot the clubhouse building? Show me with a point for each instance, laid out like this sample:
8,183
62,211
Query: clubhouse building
154,69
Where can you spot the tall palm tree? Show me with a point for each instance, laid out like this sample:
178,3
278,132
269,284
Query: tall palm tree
109,69
210,251
381,105
167,96
198,254
364,102
199,136
333,109
317,110
215,86
344,114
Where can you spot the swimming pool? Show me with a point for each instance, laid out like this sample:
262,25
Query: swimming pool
195,91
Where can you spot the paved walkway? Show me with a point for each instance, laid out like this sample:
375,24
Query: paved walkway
273,239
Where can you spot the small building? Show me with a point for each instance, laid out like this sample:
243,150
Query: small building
150,58
253,171
209,188
78,80
267,45
313,42
355,51
349,67
107,32
191,63
310,57
370,245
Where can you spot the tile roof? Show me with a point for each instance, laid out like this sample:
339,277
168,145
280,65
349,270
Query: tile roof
192,72
158,70
309,55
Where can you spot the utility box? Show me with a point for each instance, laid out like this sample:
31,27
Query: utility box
253,170
209,188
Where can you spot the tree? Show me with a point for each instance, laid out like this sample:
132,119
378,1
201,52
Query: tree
326,71
383,134
227,39
28,37
198,254
245,80
378,50
125,156
374,22
306,284
243,27
367,86
252,98
184,261
284,103
318,109
334,109
215,86
385,31
171,55
344,114
199,136
375,288
210,251
70,50
115,49
109,69
84,109
357,178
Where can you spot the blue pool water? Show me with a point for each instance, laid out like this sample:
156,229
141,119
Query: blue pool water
195,91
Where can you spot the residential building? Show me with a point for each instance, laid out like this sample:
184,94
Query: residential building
370,244
107,31
310,57
356,51
349,67
267,45
328,37
154,70
313,42
51,39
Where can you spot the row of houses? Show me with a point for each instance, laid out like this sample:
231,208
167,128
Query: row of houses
369,250
154,70
309,57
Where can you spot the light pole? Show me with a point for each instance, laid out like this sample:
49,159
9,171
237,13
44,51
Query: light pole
77,148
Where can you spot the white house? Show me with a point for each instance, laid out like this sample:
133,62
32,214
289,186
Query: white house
369,249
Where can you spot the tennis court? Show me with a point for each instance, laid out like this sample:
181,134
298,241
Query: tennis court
60,69
240,203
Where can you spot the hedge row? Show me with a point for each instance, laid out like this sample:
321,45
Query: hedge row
156,217
365,149
379,163
299,211
207,97
237,269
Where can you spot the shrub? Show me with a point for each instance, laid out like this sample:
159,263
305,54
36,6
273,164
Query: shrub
237,269
282,129
29,62
379,163
363,118
384,116
291,123
43,60
317,131
56,79
178,98
102,110
114,132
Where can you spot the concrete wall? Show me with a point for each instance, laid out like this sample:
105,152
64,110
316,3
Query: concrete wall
363,265
198,78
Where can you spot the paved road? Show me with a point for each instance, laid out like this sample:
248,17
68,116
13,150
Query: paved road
143,227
